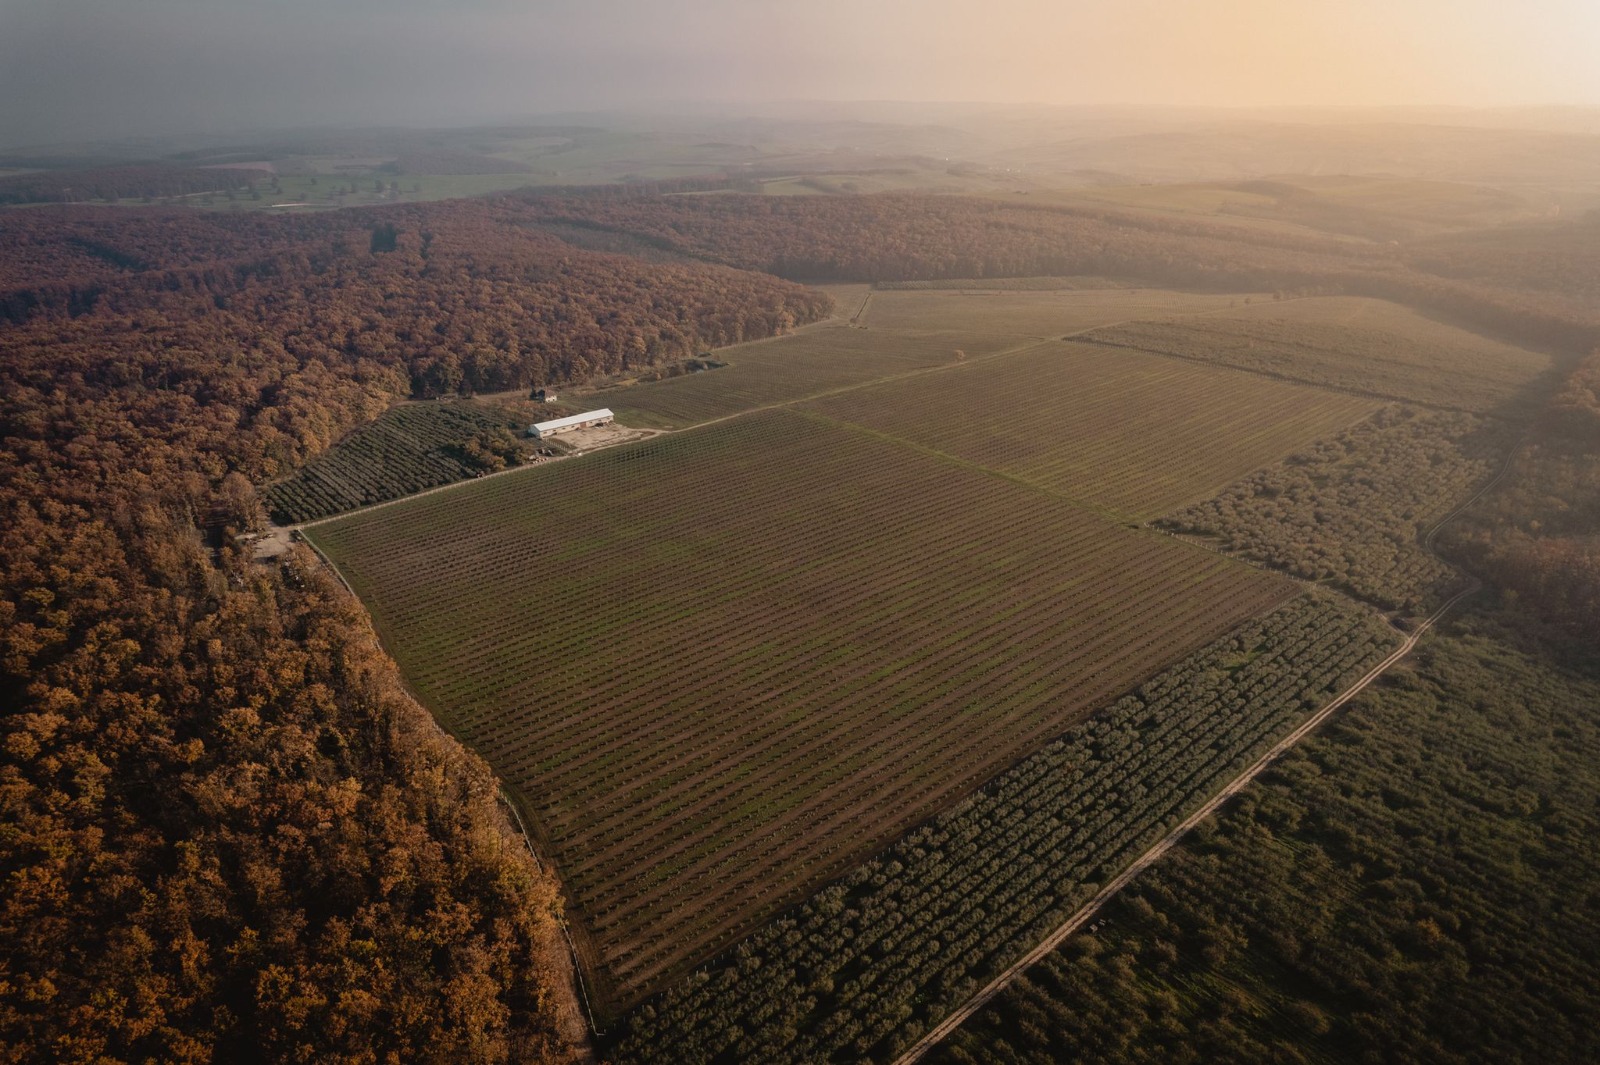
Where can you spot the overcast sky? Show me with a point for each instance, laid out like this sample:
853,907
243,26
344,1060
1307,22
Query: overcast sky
84,68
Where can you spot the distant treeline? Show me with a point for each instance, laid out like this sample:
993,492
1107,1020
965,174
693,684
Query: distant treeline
120,183
895,238
1538,534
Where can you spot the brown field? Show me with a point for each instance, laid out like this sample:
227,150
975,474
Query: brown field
904,331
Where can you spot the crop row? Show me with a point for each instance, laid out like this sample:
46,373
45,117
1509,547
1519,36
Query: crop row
408,449
1366,346
792,368
859,970
1130,433
723,666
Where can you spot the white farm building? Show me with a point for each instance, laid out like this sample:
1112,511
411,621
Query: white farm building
540,430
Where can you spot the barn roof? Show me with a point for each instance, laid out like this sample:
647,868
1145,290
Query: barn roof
571,420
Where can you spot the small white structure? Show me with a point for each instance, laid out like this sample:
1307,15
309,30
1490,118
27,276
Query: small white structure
540,430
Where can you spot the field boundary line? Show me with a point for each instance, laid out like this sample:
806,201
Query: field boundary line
1025,344
500,792
964,1012
1288,379
561,918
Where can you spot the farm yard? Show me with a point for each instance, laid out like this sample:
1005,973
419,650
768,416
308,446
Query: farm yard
723,667
1133,435
1365,345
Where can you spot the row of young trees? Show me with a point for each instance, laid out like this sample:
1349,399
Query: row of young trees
1352,509
856,973
410,448
1414,884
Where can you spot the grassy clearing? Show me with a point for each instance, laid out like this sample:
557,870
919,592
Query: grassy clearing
1365,345
1132,434
722,667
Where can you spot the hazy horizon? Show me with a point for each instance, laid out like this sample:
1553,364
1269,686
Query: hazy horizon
83,69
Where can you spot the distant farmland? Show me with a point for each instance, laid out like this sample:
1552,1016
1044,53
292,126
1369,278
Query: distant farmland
1133,434
1365,345
907,331
791,368
1035,314
724,666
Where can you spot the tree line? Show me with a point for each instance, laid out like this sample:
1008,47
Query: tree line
119,183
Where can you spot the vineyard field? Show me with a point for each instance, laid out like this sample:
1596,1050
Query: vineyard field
1131,434
409,448
866,965
722,667
1352,509
1037,314
768,372
1365,345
